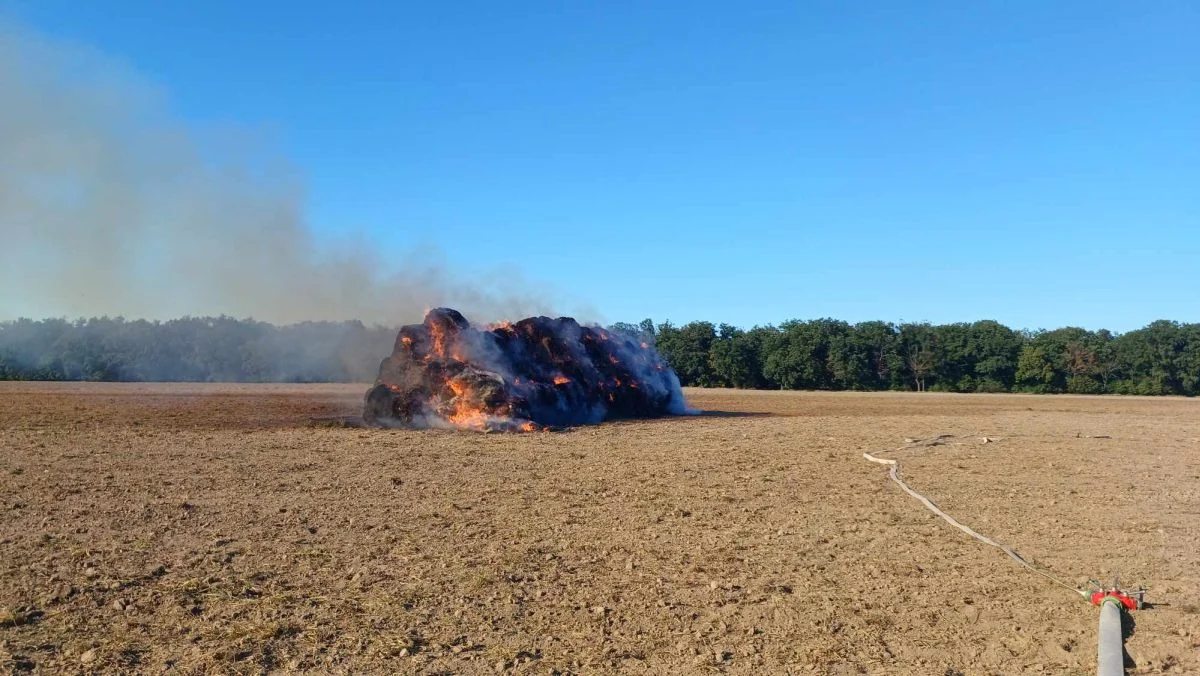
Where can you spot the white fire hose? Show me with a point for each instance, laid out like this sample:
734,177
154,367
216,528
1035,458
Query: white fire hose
1110,648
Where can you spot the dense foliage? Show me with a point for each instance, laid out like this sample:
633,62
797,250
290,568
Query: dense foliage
826,354
821,354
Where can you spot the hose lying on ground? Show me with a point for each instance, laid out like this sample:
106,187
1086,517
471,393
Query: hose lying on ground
894,474
1110,648
1110,651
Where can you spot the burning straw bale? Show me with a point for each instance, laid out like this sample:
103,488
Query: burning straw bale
524,376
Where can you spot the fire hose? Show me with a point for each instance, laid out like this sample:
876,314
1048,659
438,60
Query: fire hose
1112,601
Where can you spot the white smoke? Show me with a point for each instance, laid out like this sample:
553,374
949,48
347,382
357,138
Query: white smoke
108,206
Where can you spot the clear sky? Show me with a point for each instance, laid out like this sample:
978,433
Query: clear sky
1037,163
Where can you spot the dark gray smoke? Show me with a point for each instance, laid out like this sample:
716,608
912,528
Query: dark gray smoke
110,207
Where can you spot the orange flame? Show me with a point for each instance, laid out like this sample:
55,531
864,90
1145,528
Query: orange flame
469,419
479,398
467,413
439,342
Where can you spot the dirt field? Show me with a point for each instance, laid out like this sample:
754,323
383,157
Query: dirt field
204,529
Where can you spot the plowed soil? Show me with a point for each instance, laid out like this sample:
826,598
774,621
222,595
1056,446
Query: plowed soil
248,529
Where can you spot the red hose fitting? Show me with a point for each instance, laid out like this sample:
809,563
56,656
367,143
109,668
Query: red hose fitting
1126,600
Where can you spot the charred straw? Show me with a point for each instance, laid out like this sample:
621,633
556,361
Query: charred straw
532,374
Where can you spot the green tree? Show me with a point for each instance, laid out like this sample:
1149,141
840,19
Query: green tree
880,343
735,358
1150,359
848,359
797,357
1035,370
1187,360
994,350
687,350
918,345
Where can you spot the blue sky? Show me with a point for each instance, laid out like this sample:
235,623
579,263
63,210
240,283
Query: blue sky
1031,162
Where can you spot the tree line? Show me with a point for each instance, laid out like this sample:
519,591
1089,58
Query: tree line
984,356
820,354
192,349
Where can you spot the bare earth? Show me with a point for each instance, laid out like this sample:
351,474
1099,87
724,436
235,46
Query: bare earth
223,529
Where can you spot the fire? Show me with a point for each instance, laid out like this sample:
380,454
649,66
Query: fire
471,420
439,340
522,377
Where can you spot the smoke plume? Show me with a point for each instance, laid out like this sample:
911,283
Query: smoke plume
110,207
